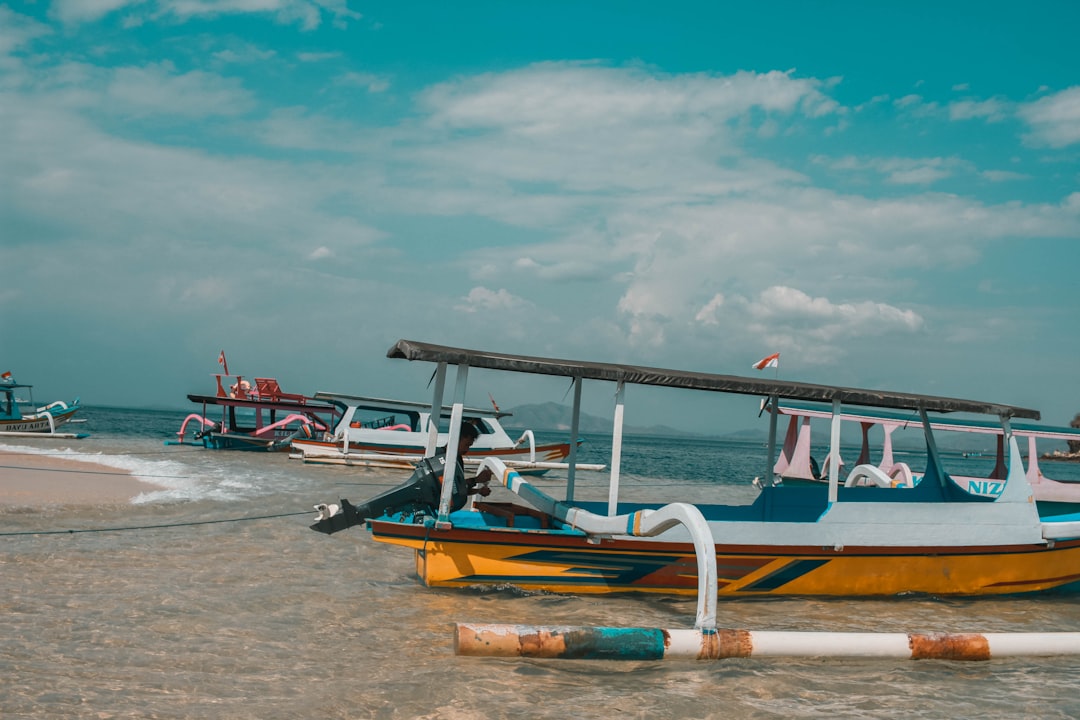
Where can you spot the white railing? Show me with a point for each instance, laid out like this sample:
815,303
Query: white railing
642,523
528,435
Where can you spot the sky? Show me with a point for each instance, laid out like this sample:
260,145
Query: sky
887,194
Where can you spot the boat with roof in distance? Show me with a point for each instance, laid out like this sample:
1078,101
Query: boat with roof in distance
40,421
259,416
377,432
796,465
934,537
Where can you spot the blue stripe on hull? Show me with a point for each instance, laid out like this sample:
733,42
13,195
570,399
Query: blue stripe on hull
781,577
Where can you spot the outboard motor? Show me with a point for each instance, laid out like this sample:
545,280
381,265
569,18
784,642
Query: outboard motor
419,494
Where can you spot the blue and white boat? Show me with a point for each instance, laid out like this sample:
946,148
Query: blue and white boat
44,420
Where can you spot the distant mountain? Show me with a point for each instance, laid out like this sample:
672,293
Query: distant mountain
555,417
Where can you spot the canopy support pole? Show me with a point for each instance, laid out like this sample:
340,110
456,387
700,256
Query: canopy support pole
575,423
616,449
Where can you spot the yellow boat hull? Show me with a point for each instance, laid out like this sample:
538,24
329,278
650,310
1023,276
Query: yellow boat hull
556,562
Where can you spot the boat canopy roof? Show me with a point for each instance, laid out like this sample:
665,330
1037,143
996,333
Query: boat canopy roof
12,386
638,375
282,404
404,405
988,427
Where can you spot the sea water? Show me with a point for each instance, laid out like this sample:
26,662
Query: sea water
210,597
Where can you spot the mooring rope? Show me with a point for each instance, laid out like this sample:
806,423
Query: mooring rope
90,456
154,527
124,473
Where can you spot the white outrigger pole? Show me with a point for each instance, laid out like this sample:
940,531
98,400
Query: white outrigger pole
608,643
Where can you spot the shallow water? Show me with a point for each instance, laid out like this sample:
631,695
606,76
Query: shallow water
223,616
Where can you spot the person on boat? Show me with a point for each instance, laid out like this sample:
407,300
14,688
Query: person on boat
419,495
478,485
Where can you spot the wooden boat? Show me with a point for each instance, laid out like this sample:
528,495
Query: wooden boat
933,537
797,466
44,420
377,432
253,417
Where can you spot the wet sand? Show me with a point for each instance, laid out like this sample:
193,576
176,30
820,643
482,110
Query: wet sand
32,480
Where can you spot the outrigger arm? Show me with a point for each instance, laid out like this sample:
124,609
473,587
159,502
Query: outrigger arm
642,523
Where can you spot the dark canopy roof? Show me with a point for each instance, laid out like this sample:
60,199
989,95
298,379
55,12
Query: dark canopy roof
634,374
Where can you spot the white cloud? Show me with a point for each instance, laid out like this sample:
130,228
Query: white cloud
918,175
159,90
368,81
307,14
1054,120
588,128
298,129
628,204
898,170
1003,175
244,53
17,31
993,110
555,97
708,313
482,299
79,11
781,310
917,106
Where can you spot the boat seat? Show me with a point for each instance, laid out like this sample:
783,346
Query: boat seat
511,513
269,389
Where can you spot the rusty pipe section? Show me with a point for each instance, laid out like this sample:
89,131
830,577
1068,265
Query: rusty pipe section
607,643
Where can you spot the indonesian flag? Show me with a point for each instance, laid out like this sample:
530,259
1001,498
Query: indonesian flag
221,361
768,362
6,377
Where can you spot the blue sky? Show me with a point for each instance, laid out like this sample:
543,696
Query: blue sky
886,194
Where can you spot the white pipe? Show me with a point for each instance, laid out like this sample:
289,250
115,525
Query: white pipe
19,433
528,435
774,412
575,418
436,410
450,471
834,453
604,643
616,449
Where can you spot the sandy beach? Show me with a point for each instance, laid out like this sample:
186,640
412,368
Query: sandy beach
27,479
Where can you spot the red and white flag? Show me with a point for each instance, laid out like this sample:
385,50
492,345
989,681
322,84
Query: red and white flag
768,362
6,377
221,361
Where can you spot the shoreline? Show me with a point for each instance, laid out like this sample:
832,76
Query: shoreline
1061,456
31,480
